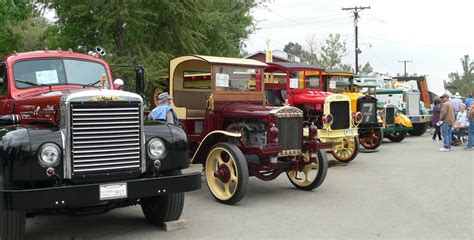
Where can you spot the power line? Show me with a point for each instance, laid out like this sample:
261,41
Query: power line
355,10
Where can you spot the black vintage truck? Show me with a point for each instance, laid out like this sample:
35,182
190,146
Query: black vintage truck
72,144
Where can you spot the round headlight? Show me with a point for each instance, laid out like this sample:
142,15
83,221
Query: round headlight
156,149
49,155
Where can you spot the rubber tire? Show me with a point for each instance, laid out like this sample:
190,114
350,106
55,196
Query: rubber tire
242,173
418,129
354,155
12,225
397,138
322,172
166,207
377,144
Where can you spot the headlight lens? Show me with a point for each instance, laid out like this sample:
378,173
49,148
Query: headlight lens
49,155
156,149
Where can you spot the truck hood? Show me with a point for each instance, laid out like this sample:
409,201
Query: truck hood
45,107
249,110
310,97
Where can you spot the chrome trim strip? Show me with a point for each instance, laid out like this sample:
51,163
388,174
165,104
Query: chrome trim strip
106,154
101,164
109,168
106,159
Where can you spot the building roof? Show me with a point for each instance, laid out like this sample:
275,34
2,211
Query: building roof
295,65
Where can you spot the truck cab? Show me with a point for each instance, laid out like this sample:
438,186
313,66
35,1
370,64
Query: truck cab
66,133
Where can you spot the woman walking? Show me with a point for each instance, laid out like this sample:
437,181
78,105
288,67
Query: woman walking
435,120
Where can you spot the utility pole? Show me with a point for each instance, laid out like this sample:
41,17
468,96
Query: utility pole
356,11
405,65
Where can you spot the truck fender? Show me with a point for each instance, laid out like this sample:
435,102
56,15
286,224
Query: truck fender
403,120
210,140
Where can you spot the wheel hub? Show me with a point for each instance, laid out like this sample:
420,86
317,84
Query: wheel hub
223,173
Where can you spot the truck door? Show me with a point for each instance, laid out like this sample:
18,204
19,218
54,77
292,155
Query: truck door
5,103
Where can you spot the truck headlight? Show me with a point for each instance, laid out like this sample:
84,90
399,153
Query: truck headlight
156,149
49,155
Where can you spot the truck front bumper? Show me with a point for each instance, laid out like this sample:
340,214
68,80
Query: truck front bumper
420,118
76,195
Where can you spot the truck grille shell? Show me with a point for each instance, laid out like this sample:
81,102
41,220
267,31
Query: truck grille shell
105,137
369,112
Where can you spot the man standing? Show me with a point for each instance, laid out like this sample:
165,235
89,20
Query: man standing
456,101
164,112
470,133
447,118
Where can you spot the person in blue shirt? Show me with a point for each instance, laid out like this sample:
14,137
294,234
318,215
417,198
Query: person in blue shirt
164,112
469,99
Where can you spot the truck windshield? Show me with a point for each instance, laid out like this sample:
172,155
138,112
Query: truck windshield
235,78
38,72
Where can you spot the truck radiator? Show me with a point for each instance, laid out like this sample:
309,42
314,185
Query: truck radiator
340,112
106,137
369,112
389,116
290,133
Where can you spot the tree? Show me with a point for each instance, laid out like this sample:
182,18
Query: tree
462,83
12,12
294,49
152,32
311,53
30,33
332,51
366,69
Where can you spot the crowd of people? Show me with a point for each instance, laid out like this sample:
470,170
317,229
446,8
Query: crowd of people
453,121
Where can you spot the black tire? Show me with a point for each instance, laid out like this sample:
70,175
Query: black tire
397,136
372,140
12,225
351,157
418,129
320,177
163,208
241,172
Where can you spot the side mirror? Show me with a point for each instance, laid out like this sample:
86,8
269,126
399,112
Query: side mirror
118,84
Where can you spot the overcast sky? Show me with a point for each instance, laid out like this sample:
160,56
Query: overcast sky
433,34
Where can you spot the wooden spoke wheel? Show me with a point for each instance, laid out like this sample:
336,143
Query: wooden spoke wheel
372,140
227,173
349,152
397,136
154,96
312,175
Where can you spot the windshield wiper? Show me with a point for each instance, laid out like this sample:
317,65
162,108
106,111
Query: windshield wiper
94,83
34,84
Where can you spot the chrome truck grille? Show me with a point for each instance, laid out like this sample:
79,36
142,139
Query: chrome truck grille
106,137
389,116
340,112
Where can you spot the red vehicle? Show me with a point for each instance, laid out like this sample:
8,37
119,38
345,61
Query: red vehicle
71,144
232,132
301,85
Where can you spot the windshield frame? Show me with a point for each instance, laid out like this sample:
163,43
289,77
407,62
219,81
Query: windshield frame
107,83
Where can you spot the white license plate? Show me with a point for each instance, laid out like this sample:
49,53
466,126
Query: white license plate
349,131
113,191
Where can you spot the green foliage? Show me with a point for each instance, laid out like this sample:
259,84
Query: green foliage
463,83
12,12
366,69
333,51
151,33
329,56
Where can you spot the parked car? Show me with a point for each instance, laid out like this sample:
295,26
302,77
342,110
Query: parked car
71,144
370,129
233,134
301,85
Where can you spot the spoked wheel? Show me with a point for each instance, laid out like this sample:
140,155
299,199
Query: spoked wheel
350,151
312,175
372,140
227,173
12,224
397,136
154,96
163,208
